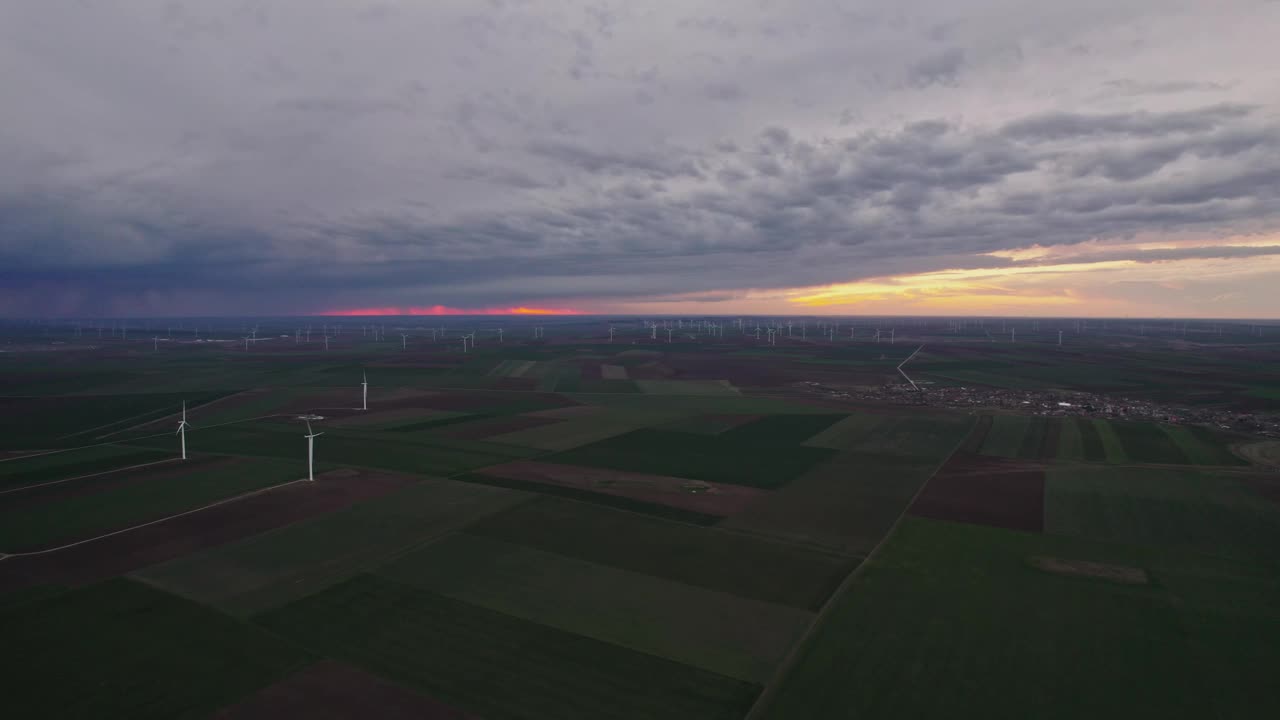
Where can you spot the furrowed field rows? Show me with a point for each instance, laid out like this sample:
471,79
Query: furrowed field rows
680,622
1196,509
497,665
1100,440
281,566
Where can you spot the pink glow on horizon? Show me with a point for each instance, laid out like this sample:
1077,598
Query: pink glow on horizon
443,310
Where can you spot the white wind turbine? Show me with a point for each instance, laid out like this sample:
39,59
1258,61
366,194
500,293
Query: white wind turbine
364,390
182,430
610,333
404,341
500,331
311,451
155,344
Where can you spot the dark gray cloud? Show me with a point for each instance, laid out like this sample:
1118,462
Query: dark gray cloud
297,156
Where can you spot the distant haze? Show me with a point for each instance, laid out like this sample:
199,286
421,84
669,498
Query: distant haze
1014,157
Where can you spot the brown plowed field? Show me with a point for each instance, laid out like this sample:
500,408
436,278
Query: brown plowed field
183,535
708,498
330,690
985,491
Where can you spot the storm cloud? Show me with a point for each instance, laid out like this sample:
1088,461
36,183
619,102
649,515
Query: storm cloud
186,157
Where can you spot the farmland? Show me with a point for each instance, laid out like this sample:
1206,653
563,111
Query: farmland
568,527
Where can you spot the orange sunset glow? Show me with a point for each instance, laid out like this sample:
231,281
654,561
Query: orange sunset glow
443,310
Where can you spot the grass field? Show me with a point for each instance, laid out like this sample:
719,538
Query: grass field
497,665
736,563
680,622
72,518
960,610
121,649
277,567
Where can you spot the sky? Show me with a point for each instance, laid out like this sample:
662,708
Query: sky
783,157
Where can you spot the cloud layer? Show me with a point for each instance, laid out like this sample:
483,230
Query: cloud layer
184,157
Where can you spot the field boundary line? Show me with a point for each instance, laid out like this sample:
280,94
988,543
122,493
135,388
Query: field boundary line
224,501
82,477
126,441
162,417
793,657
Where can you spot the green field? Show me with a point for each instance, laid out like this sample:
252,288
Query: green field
68,464
497,665
845,505
345,446
715,458
1193,509
277,567
911,435
680,622
122,650
686,387
730,562
959,609
72,518
32,423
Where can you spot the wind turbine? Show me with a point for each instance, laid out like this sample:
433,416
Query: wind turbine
364,390
246,343
404,341
610,333
669,335
326,342
500,331
155,344
182,430
311,451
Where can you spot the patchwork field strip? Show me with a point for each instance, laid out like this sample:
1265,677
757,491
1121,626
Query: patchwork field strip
720,632
734,562
191,533
497,665
329,689
274,568
717,499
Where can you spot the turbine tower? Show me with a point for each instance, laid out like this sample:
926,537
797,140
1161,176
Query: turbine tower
182,430
364,390
311,451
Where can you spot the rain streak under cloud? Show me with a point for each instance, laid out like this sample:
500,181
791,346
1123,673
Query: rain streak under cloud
806,156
